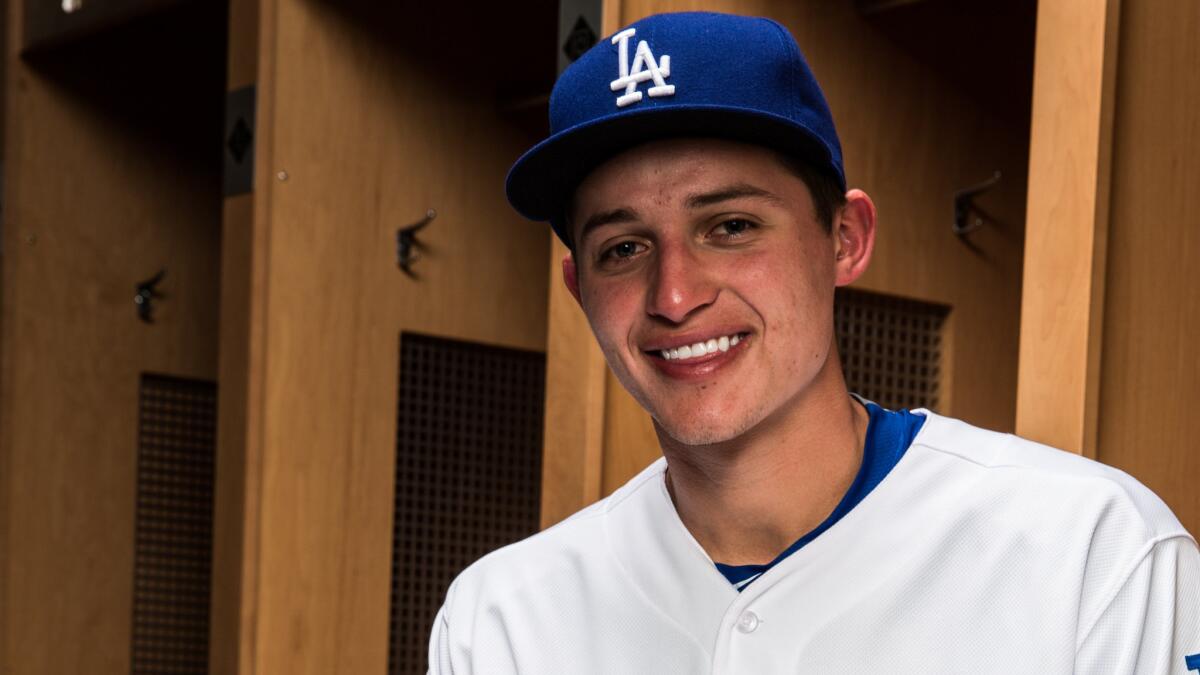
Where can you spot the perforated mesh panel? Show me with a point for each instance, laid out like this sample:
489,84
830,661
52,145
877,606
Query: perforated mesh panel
468,472
173,530
891,348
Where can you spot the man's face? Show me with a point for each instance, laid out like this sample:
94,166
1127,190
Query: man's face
705,242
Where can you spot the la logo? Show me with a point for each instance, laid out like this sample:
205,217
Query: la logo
644,68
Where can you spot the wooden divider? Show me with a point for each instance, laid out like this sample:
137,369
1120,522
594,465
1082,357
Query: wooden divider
1067,226
577,385
235,522
1149,376
576,382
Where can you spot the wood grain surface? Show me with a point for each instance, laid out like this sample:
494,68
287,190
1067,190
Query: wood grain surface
577,385
1067,226
1150,371
365,134
234,567
107,181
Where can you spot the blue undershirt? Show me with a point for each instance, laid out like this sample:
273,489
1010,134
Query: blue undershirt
889,433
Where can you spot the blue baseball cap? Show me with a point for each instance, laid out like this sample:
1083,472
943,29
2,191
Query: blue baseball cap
696,74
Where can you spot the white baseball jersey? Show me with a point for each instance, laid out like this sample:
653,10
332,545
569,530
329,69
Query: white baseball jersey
978,553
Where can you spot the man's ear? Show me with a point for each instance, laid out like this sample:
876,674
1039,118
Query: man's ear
571,276
854,232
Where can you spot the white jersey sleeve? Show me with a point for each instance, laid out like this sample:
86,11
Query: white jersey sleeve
1151,622
439,646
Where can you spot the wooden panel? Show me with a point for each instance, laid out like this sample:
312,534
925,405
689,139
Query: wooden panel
242,65
899,118
392,134
226,639
577,386
107,181
1069,168
6,39
630,443
231,634
1150,374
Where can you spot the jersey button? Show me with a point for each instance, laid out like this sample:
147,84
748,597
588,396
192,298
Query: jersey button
747,622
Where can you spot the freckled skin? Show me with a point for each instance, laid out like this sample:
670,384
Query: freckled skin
775,282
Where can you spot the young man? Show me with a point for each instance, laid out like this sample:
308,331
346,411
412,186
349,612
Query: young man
696,176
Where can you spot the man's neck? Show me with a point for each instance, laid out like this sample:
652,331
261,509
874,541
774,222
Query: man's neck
747,500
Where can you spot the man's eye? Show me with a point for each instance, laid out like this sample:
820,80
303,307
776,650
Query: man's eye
623,250
734,227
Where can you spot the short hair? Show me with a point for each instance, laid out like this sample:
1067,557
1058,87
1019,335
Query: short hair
824,187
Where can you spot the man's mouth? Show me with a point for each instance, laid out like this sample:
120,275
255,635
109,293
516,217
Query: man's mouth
691,351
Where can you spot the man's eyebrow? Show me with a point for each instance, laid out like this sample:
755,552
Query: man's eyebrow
735,191
694,201
621,215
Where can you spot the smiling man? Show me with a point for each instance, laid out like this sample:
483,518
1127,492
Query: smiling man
695,174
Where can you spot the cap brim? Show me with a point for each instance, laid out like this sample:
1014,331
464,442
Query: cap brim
541,181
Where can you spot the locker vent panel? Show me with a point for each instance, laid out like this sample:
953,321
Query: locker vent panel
891,348
173,527
468,472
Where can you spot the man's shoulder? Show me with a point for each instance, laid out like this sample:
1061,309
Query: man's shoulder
1036,477
1067,525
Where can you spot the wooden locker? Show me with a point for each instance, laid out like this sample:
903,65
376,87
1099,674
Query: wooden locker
1150,373
368,117
1107,368
112,174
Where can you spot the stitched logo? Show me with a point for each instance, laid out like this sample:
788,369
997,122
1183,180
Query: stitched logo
645,67
1192,662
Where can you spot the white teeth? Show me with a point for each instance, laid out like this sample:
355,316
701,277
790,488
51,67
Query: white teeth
723,343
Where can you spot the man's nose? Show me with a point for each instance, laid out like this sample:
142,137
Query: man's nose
681,285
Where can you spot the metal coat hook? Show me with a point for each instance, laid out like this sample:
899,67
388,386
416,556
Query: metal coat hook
964,206
406,242
147,293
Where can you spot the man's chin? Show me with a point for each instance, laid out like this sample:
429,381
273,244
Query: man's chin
685,430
